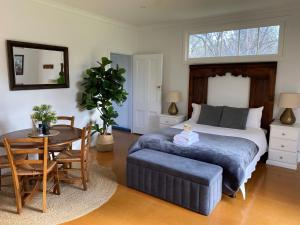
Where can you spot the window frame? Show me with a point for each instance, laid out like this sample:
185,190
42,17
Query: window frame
228,59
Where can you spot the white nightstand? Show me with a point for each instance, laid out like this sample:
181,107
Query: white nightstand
283,146
166,120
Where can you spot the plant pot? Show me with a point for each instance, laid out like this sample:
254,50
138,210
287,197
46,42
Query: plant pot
105,143
45,128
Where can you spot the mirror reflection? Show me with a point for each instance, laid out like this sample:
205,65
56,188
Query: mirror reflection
38,66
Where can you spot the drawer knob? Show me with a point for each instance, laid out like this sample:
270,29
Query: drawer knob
281,157
282,146
283,134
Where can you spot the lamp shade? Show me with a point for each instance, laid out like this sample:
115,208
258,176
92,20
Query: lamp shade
289,100
173,96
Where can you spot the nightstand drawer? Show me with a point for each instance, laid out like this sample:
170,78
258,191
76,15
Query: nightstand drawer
169,120
283,144
286,133
161,125
281,156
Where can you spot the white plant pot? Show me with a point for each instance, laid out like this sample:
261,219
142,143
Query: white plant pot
105,143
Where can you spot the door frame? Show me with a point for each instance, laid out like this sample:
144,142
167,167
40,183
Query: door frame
110,51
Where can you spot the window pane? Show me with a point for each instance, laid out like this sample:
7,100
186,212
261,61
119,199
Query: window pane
197,45
268,40
248,41
244,42
230,43
213,44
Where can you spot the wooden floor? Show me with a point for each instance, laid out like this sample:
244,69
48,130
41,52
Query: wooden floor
273,197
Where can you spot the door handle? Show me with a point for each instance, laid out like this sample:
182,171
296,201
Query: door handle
158,86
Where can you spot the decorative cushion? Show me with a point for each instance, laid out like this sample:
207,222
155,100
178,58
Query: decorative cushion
235,118
254,117
196,112
210,115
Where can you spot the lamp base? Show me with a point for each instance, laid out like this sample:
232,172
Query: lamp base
288,117
173,109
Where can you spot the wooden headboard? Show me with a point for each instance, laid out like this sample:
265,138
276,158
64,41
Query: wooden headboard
262,84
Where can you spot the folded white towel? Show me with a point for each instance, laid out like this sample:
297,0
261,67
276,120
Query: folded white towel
188,134
180,138
185,143
186,138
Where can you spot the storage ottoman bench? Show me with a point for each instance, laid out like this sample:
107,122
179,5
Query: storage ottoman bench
186,182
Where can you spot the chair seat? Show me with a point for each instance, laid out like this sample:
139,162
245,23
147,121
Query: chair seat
37,169
68,156
4,160
59,148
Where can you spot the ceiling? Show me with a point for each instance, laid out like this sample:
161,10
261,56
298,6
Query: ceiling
148,12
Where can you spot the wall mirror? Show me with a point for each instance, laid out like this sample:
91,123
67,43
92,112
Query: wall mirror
37,66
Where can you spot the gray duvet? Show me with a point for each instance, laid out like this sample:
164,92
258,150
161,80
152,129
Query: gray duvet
233,154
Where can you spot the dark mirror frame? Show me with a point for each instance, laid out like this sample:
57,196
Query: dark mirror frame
11,69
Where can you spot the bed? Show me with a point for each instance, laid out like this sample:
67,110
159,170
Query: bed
258,136
253,140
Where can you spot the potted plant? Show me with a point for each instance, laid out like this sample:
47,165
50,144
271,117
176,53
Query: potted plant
103,85
44,116
61,78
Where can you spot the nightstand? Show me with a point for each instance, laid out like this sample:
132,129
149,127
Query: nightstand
283,146
166,120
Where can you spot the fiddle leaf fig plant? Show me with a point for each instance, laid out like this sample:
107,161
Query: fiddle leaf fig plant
103,85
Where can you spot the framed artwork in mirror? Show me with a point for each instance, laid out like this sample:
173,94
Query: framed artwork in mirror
37,66
19,64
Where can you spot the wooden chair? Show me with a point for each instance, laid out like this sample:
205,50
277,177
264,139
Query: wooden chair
73,156
69,123
4,164
69,119
38,169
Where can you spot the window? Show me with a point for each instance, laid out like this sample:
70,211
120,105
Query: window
244,42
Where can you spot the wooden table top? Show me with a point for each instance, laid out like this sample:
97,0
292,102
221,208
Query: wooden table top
65,136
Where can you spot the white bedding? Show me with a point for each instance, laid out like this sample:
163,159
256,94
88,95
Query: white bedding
253,134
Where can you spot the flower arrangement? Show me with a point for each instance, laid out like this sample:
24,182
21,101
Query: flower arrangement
44,114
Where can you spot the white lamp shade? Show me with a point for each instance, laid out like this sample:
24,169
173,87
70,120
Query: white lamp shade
173,96
289,100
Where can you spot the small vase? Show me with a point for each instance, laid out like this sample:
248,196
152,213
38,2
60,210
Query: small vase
46,128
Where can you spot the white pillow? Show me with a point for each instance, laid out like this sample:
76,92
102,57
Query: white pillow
254,117
196,112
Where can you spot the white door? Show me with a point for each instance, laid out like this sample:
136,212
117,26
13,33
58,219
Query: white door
147,82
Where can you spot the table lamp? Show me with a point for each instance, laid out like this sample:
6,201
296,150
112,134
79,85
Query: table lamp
173,97
288,101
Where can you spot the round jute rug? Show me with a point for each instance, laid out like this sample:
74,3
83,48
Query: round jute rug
71,204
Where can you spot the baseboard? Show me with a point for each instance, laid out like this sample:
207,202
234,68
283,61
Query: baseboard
285,165
121,128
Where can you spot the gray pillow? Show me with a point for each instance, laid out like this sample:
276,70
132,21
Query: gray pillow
210,115
235,118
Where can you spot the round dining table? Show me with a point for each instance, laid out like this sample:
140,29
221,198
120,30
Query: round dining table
65,135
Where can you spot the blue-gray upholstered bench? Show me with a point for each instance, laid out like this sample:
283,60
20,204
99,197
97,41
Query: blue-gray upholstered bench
186,182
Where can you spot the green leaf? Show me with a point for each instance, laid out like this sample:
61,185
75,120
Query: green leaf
101,86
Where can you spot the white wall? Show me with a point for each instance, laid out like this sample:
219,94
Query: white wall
168,39
55,58
30,66
87,38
